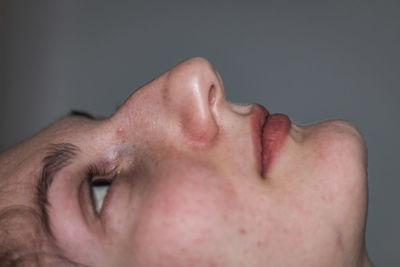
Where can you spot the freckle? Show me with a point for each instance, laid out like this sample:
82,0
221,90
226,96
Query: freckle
259,244
242,231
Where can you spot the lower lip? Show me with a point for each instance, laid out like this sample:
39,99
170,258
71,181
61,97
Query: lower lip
275,131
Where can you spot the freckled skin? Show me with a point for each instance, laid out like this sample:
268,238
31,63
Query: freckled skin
189,190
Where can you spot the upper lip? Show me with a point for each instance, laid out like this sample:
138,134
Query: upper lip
258,119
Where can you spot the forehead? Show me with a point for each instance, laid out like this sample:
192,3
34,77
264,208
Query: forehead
21,162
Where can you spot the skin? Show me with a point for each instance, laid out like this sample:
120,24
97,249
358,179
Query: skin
188,191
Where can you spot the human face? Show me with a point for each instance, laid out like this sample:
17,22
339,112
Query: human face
199,181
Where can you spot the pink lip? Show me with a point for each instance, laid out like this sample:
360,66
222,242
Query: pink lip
268,134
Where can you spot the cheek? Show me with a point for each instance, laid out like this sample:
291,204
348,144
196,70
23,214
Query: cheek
185,219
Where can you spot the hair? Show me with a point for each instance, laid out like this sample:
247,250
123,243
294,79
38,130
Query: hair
23,242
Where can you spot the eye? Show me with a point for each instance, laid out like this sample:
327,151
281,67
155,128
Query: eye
99,190
99,183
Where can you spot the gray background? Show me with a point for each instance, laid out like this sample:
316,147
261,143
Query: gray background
312,60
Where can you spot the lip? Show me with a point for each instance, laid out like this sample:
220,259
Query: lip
269,131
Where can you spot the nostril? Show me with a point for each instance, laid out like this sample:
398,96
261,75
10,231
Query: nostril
212,95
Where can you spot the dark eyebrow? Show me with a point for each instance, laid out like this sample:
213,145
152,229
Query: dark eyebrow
58,156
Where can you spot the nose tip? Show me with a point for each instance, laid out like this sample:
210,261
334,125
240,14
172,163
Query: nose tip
195,72
194,91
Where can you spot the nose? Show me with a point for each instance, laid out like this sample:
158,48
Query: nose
194,94
184,103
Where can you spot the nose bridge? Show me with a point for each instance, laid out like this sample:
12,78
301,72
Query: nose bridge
193,94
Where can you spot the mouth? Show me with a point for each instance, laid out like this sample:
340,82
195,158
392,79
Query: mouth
269,131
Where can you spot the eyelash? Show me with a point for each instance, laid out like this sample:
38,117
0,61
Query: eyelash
97,176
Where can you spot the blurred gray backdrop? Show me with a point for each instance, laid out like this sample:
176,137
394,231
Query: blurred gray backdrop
312,60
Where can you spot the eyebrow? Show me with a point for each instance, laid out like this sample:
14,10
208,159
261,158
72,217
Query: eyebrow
81,113
58,156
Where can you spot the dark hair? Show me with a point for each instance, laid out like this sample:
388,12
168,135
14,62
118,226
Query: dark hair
23,241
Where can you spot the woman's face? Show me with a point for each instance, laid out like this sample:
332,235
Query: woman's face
199,181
